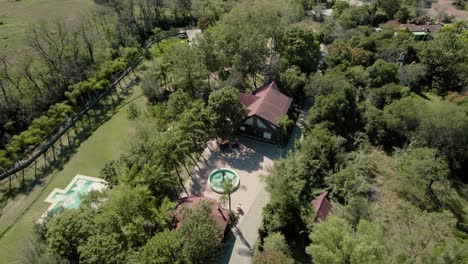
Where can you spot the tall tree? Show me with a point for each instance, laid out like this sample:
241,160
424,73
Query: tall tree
200,235
299,47
225,111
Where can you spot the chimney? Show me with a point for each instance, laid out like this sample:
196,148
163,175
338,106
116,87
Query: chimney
266,77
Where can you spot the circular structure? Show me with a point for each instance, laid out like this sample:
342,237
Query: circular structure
218,176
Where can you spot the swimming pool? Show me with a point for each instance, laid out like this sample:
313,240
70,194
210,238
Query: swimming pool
71,196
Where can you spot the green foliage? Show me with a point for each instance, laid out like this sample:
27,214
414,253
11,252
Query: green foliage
354,180
178,102
433,124
337,111
361,56
446,65
244,32
67,231
328,241
333,241
159,182
413,75
381,73
110,172
102,248
423,178
294,81
418,235
272,257
39,128
227,188
152,87
285,123
200,235
186,68
225,111
326,84
164,247
275,250
354,16
276,242
133,111
339,53
299,48
292,180
380,97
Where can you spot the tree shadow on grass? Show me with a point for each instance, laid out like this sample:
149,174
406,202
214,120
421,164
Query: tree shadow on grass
84,128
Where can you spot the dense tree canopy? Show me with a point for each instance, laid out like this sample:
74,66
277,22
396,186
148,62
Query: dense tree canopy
225,111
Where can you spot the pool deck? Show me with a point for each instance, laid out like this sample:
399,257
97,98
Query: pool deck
50,198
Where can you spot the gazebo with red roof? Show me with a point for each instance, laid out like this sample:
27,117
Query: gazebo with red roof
322,207
218,214
264,107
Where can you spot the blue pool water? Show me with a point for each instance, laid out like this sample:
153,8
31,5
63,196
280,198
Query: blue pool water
72,198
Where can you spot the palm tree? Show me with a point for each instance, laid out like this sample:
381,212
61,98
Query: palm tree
157,180
227,187
285,122
169,156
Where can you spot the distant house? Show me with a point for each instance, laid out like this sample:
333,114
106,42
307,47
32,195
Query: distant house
422,32
265,106
322,207
218,214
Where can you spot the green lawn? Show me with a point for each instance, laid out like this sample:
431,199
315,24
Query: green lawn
17,16
165,45
106,143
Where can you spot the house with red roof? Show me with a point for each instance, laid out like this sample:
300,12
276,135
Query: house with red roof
264,107
322,207
218,214
422,32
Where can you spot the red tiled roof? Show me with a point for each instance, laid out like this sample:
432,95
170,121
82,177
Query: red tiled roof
431,28
217,212
266,102
322,207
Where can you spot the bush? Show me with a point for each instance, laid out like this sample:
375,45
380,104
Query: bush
381,97
277,242
133,111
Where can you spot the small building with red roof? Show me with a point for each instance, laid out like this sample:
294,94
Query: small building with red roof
264,107
218,214
322,207
422,32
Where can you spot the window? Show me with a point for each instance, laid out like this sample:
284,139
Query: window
242,128
260,124
267,135
249,122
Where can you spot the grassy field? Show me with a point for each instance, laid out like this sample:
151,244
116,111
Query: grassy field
17,16
106,143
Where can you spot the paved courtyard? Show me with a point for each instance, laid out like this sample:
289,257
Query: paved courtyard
250,161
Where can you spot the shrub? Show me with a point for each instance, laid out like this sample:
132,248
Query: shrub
133,111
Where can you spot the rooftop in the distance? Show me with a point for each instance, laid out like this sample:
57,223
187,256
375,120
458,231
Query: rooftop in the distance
322,207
